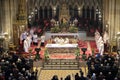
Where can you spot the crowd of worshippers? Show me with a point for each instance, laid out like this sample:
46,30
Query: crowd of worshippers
14,67
103,67
99,68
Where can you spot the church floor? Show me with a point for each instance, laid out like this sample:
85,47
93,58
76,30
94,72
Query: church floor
48,74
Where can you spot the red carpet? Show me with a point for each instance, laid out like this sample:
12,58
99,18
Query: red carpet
93,46
82,44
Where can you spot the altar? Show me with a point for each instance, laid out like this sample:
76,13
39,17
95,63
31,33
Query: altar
61,48
49,35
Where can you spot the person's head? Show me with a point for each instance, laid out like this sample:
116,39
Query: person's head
101,73
94,74
61,78
82,74
109,72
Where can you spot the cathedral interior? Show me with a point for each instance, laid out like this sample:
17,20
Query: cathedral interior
17,16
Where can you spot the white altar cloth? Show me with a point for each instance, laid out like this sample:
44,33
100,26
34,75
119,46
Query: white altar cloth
61,45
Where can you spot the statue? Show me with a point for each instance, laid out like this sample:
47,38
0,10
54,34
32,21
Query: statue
64,11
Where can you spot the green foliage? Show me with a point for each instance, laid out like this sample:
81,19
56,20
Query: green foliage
64,25
73,29
46,54
55,29
84,57
77,52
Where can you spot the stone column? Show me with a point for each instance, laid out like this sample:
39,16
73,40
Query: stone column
0,16
112,18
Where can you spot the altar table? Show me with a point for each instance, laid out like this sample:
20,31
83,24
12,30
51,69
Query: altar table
61,48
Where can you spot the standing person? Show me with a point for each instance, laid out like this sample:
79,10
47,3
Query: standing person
35,39
23,36
42,40
101,48
27,43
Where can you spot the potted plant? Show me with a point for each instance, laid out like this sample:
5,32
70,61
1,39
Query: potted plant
55,29
46,55
73,29
37,56
77,53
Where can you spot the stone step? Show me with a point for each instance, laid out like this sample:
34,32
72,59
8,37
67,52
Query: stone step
61,64
61,67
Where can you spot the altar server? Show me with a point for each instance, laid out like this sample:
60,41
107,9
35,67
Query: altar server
23,36
27,43
105,37
42,40
35,39
66,41
101,48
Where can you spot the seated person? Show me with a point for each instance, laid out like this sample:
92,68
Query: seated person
66,41
61,41
56,40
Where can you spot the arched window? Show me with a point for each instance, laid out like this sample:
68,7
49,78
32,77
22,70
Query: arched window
40,13
83,12
50,12
57,13
88,12
70,10
76,11
92,13
45,13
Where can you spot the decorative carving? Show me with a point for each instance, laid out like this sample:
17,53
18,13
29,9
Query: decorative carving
64,12
20,24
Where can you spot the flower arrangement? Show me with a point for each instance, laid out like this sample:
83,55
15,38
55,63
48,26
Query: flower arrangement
73,29
46,54
30,50
77,52
55,29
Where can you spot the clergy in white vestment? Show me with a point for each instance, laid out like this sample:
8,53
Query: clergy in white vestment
26,45
61,41
32,32
66,41
35,39
75,21
105,37
99,41
56,40
101,48
42,40
23,36
97,35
